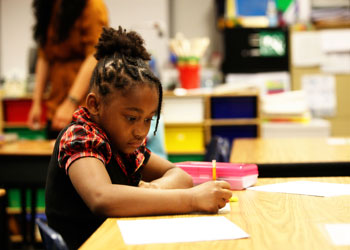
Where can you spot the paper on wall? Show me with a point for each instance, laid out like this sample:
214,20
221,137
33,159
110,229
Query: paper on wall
306,49
335,40
336,63
320,94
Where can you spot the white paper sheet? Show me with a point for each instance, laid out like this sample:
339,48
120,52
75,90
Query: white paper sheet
306,188
173,230
336,141
226,209
306,49
320,94
339,233
336,63
335,40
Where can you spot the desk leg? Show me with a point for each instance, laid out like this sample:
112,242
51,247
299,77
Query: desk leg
33,215
4,229
23,216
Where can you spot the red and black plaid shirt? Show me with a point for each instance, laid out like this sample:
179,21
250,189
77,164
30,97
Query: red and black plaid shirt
85,139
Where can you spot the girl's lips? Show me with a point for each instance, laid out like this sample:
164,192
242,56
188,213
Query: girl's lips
135,144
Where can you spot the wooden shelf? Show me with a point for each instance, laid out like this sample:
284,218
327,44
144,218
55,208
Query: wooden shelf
229,122
251,91
17,210
20,125
332,24
183,124
186,152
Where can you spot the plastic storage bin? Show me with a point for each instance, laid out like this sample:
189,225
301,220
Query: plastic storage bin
183,109
17,110
185,157
240,176
188,139
233,107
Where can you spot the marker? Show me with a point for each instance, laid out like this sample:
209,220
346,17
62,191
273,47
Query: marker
213,162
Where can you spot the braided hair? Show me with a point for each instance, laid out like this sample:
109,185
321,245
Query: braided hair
122,64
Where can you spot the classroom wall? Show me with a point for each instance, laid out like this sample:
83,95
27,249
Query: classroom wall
142,16
196,18
16,21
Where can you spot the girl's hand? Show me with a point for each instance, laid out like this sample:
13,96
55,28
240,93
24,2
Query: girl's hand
63,115
210,196
34,116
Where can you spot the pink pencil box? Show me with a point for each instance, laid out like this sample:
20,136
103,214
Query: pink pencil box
240,176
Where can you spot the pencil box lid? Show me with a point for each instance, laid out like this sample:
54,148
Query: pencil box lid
223,169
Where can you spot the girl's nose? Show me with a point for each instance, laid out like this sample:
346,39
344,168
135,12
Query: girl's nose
140,132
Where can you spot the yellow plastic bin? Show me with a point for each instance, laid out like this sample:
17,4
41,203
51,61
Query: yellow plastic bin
184,139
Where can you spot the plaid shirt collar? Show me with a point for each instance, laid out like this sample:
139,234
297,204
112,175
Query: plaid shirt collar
82,117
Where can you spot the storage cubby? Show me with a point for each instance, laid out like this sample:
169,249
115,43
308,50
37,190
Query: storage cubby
191,120
233,107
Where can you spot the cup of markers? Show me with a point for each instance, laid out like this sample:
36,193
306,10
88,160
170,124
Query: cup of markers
188,53
189,72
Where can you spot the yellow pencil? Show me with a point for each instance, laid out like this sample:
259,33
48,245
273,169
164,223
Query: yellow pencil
213,162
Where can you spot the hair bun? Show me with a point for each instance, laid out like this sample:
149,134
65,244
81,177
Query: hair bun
129,44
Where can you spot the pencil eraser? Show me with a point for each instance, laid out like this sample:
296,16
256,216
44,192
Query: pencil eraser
233,199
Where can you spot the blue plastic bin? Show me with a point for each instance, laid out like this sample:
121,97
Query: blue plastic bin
233,107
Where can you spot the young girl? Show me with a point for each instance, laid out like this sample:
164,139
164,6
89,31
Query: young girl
101,167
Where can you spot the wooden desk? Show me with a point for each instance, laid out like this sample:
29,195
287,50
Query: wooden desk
273,221
24,165
25,162
281,157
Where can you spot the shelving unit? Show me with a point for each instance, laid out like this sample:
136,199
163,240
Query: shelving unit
191,120
14,118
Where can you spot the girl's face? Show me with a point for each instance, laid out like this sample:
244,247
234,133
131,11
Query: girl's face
127,119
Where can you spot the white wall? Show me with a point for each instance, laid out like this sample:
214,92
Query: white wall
192,17
141,16
196,18
16,21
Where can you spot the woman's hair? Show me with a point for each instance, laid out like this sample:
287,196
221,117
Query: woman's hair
123,64
68,13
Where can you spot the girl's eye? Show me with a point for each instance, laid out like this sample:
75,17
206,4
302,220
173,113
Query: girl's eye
131,118
149,120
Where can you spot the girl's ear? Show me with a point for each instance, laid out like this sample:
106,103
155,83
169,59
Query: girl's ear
93,103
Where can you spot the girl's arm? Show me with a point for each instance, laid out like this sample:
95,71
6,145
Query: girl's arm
90,179
64,112
160,173
41,75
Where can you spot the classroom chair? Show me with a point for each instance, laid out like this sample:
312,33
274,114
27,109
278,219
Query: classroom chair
51,239
218,149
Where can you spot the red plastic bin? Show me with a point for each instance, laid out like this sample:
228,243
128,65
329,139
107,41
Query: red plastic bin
17,110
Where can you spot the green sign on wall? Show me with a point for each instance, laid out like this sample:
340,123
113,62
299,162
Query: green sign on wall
272,43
